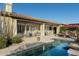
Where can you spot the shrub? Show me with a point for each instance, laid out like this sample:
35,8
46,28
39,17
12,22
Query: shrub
16,39
3,42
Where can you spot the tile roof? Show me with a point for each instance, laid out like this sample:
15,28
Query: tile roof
20,16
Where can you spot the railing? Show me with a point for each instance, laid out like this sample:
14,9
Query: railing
48,32
36,33
33,33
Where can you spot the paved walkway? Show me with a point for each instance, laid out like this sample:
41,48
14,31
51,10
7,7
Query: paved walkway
28,43
63,38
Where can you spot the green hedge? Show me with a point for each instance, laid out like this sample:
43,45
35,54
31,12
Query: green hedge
6,42
3,42
16,39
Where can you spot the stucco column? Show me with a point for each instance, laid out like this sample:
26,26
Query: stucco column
25,30
58,29
9,24
52,30
29,27
42,29
14,27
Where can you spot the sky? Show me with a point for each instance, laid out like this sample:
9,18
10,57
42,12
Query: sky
59,12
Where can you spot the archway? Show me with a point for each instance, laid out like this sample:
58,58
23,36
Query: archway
55,30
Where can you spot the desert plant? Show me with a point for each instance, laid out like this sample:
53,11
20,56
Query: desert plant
3,42
16,39
62,29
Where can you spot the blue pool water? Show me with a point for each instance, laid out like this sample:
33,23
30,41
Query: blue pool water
58,48
57,51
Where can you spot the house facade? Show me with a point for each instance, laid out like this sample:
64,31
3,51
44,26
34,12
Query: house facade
13,24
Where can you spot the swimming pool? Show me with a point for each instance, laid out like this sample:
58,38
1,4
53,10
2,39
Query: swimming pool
57,51
56,48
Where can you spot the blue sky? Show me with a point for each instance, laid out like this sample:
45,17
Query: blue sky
63,13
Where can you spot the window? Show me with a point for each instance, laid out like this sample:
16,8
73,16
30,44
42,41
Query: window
50,28
20,28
